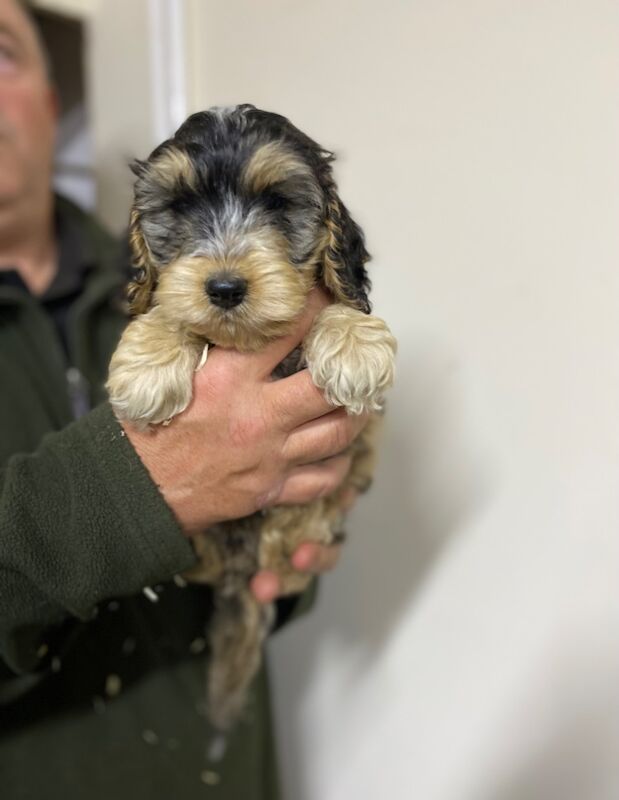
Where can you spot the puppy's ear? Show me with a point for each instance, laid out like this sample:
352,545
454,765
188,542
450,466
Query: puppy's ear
140,291
155,233
343,270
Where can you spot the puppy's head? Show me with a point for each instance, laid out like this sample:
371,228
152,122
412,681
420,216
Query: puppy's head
235,218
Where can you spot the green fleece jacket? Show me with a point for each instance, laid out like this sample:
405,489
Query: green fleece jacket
101,689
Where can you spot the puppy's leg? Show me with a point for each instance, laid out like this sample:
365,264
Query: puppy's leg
151,372
283,529
350,355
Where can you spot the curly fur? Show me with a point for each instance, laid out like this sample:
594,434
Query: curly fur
235,219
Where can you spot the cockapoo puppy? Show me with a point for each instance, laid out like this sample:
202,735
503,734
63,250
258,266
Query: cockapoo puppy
235,219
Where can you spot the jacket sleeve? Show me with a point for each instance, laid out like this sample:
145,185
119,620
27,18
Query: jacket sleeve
80,521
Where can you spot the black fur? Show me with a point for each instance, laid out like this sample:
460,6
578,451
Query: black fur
183,219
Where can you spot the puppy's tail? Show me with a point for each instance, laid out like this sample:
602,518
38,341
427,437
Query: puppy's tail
238,629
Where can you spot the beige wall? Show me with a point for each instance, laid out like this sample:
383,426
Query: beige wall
121,101
461,650
139,69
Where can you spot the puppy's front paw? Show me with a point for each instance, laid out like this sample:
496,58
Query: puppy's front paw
351,356
151,372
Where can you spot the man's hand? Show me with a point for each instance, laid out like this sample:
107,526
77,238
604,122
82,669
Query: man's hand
247,442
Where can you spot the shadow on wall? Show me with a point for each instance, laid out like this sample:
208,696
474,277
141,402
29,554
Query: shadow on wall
431,480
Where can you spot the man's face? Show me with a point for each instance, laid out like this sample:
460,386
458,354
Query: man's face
27,109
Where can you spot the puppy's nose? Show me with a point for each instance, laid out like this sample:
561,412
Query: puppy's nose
226,292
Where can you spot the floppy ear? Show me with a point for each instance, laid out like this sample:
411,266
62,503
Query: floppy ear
344,256
141,288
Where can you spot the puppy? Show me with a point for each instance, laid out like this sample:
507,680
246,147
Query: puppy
235,219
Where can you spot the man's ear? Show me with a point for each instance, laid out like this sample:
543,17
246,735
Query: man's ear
343,271
140,292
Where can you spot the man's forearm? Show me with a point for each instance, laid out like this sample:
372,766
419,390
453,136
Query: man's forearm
80,521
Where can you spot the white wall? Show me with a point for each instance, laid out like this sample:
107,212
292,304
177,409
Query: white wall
467,646
121,101
136,69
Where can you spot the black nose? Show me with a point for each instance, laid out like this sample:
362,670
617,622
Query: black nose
226,292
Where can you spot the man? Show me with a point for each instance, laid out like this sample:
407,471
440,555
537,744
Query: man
101,689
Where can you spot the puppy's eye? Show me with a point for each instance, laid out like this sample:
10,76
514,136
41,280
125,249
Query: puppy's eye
274,201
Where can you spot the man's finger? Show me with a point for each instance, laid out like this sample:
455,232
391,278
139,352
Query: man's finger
297,400
265,586
324,437
308,483
315,558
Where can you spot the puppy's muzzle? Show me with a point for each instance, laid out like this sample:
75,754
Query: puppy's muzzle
226,291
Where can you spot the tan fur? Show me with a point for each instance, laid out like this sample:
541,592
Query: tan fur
284,528
170,169
331,254
236,648
364,452
151,371
270,164
276,294
140,290
210,565
330,262
349,354
173,167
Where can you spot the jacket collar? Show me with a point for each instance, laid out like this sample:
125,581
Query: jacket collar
83,250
